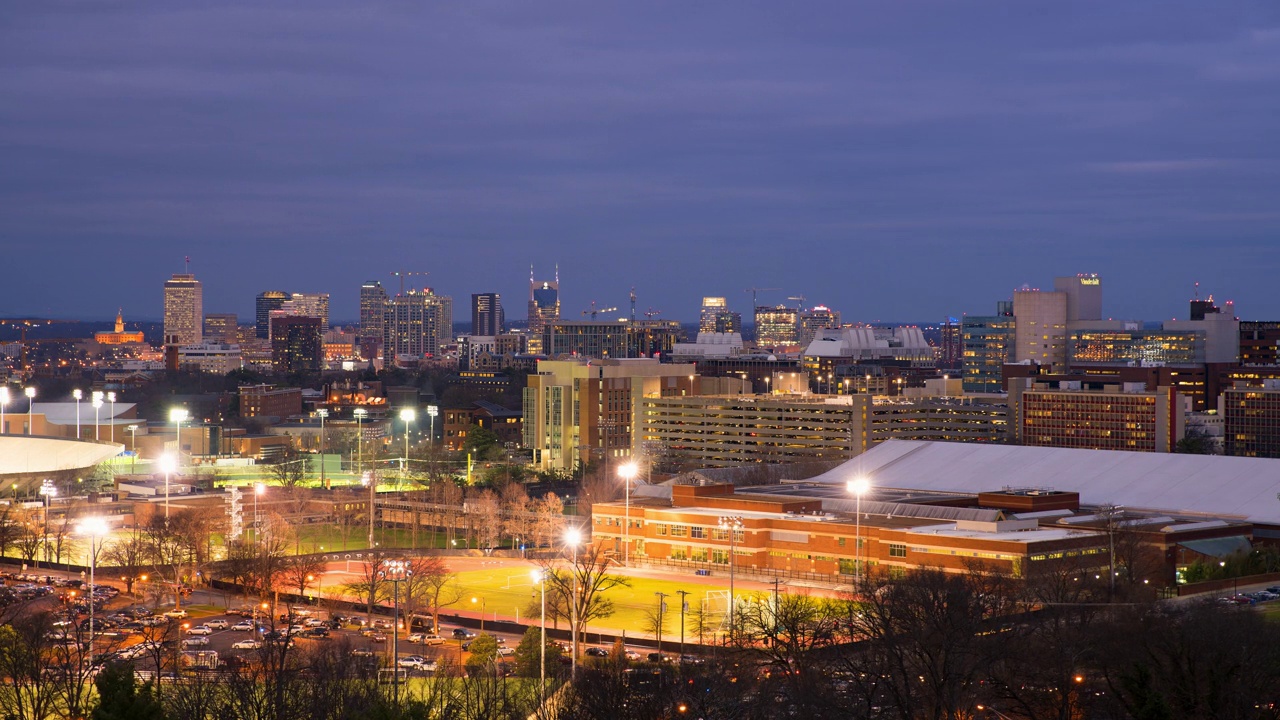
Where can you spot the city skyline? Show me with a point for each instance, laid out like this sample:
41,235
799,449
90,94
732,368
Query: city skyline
897,163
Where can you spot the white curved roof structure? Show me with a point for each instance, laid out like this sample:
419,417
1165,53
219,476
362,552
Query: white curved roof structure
34,454
1228,487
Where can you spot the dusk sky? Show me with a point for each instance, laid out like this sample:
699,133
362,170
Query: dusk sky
894,160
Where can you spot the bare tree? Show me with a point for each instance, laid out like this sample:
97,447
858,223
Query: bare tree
515,512
584,582
486,512
549,519
127,555
29,691
300,572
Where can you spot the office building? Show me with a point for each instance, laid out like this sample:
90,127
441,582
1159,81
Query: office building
221,329
819,317
119,336
417,324
486,314
296,343
950,345
1251,420
210,357
777,326
263,305
1136,345
576,410
1040,327
269,401
373,310
715,317
544,302
1259,343
608,338
183,310
314,305
1125,417
1083,295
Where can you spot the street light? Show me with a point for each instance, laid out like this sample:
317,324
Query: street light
432,412
30,392
49,492
359,414
858,486
395,572
370,479
168,464
94,527
540,579
111,398
97,407
323,413
133,447
177,416
628,473
733,524
573,536
407,416
78,395
258,490
475,600
4,400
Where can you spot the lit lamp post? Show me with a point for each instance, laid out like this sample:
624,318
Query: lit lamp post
258,490
177,416
475,600
432,412
78,395
628,473
4,400
407,416
133,447
370,479
395,572
323,413
360,414
168,464
49,492
858,487
572,537
111,398
94,527
31,402
97,407
539,579
733,524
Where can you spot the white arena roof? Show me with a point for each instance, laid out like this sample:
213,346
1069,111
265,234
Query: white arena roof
34,454
1234,487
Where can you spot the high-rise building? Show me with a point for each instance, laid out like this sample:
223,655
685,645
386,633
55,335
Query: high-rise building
309,305
1251,417
265,303
1117,417
608,338
717,318
1259,342
1040,327
776,326
818,317
220,328
950,345
486,314
987,342
417,323
1084,296
373,310
544,302
296,343
183,310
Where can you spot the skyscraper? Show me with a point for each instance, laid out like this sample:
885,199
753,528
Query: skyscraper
220,328
266,302
296,344
776,326
183,310
717,318
373,310
1040,328
486,314
987,346
1084,296
816,318
309,305
417,323
544,302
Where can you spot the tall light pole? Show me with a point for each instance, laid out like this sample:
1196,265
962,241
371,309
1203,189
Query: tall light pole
480,600
94,527
111,398
432,412
30,392
97,407
133,447
395,572
4,400
572,537
858,486
168,463
628,473
733,524
323,413
684,606
78,395
359,414
371,479
48,491
407,416
540,579
258,490
177,416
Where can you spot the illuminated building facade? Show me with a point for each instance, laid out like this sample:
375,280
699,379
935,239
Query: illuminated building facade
716,317
183,310
777,326
263,305
119,336
1251,418
486,314
1136,345
987,343
1114,418
814,319
296,344
221,329
373,310
417,324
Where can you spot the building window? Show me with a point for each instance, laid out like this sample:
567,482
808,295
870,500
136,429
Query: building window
698,532
897,550
679,531
660,529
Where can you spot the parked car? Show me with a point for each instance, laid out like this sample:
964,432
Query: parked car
243,626
379,637
631,655
246,645
432,639
195,642
463,634
415,662
200,630
217,624
596,652
176,614
506,652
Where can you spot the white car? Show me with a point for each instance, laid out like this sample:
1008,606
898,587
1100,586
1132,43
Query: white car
417,662
244,626
506,652
246,645
314,623
195,642
200,630
218,624
176,614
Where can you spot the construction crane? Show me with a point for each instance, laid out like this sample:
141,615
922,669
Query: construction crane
403,275
633,303
798,298
753,291
22,324
651,313
593,310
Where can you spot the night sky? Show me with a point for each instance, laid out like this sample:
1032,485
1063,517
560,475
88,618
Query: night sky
895,160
